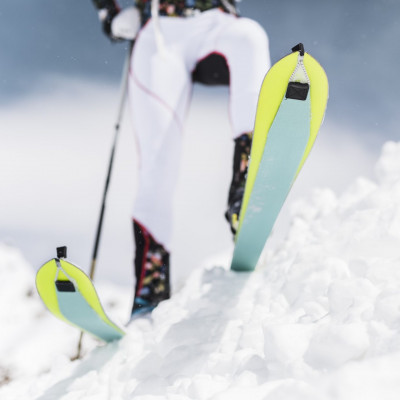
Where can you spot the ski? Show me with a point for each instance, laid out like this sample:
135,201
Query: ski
290,111
69,294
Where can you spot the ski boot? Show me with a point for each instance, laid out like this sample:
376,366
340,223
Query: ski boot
240,164
151,270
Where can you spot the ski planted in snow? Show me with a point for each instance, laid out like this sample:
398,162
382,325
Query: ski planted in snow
69,295
290,111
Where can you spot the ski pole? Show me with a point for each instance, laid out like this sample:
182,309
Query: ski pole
124,84
123,90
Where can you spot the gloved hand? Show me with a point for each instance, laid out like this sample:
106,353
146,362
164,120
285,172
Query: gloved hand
126,24
106,16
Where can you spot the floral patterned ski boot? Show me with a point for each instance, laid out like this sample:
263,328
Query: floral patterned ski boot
151,270
240,164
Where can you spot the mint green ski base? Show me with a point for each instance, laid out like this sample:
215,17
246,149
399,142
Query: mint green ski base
69,295
285,147
290,111
78,312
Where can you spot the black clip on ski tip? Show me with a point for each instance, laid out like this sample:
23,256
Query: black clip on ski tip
62,252
300,48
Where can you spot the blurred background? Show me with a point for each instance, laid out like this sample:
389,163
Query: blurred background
59,93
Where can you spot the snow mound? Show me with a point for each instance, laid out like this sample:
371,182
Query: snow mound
32,341
319,319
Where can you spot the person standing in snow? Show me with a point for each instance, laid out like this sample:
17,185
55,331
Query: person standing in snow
181,41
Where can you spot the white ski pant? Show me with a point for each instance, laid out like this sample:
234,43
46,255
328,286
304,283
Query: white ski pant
160,89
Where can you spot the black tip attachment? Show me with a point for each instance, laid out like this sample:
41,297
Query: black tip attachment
297,91
62,252
300,48
65,286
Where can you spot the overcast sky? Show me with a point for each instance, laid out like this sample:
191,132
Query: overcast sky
355,41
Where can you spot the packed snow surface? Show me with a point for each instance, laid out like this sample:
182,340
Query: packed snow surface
319,319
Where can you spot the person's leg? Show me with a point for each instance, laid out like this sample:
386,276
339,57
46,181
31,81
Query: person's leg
151,271
159,92
244,43
241,156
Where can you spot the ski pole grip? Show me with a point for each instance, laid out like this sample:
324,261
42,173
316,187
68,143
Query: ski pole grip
62,252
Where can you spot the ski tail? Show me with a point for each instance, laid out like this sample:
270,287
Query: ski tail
69,294
290,110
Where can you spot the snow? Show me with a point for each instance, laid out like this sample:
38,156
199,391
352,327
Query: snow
319,319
